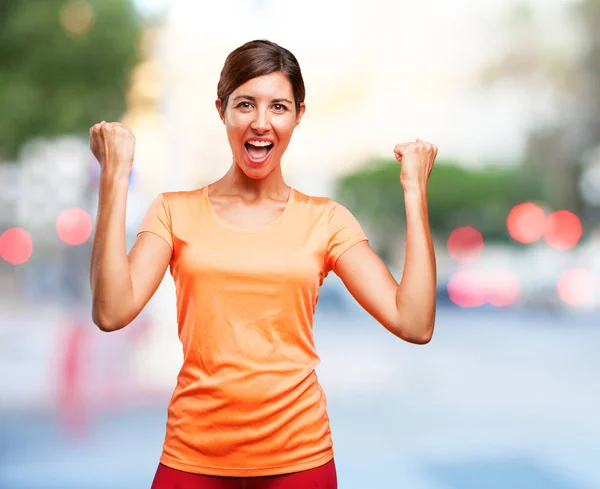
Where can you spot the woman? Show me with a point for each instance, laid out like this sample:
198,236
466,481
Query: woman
248,254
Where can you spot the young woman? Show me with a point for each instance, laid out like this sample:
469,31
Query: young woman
248,254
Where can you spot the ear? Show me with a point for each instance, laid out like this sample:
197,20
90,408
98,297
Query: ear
300,113
219,109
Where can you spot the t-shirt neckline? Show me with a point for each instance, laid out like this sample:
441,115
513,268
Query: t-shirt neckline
241,229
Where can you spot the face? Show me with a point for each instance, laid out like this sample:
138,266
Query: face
260,119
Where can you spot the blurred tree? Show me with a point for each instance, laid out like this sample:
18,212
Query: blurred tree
561,69
64,64
458,196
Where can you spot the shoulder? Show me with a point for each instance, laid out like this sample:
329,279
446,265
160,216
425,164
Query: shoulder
322,204
180,197
172,204
326,206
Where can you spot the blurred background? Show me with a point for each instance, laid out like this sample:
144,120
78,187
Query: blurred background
502,398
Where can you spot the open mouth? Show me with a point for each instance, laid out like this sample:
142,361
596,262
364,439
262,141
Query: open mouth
258,154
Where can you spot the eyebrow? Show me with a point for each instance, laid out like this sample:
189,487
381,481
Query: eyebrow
252,99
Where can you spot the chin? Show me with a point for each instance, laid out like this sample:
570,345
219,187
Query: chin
256,173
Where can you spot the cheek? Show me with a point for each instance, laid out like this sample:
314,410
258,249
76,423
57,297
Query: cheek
285,130
233,119
234,127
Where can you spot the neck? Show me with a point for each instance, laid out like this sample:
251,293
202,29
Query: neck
273,185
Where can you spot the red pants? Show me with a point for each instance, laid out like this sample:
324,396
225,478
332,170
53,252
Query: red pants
324,477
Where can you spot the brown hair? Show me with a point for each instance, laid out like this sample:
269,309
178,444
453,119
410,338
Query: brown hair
257,58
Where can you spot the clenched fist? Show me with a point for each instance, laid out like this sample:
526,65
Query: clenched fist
113,145
417,161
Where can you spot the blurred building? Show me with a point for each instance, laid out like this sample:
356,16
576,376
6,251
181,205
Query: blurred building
373,80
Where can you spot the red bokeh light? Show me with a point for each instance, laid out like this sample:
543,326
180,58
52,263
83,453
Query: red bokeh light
465,244
575,286
16,246
526,222
563,230
466,288
502,287
74,226
473,288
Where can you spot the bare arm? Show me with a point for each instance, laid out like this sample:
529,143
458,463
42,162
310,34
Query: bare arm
406,309
121,284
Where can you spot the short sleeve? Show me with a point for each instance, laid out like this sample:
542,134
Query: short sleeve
158,220
344,231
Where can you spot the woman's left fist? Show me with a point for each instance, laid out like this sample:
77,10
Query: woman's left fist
417,161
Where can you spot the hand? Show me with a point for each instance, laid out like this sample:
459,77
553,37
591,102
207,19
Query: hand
417,161
113,145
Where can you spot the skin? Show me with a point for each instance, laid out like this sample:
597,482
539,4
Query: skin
250,195
263,107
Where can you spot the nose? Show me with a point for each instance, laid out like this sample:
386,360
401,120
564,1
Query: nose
261,122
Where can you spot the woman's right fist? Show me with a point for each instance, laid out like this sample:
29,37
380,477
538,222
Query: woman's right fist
113,145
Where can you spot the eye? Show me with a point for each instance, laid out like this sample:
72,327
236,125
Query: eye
280,107
243,105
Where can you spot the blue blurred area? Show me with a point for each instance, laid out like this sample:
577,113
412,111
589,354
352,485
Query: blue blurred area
498,400
500,474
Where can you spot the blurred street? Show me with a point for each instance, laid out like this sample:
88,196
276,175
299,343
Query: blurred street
496,400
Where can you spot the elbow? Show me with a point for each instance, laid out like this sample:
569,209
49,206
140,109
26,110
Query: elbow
106,326
105,323
416,336
415,322
421,340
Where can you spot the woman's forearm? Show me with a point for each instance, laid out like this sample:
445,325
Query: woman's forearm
110,280
415,298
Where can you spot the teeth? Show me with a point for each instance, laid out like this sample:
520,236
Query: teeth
260,143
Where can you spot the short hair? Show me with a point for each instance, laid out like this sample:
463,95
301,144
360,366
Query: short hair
258,58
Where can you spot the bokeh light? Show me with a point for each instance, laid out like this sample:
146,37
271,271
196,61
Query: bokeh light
563,230
466,288
77,17
575,286
465,244
74,226
502,287
526,222
16,246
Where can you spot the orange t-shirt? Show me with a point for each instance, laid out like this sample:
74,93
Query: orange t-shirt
247,400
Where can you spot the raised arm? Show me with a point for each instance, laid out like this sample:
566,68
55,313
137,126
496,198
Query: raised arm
121,284
407,309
